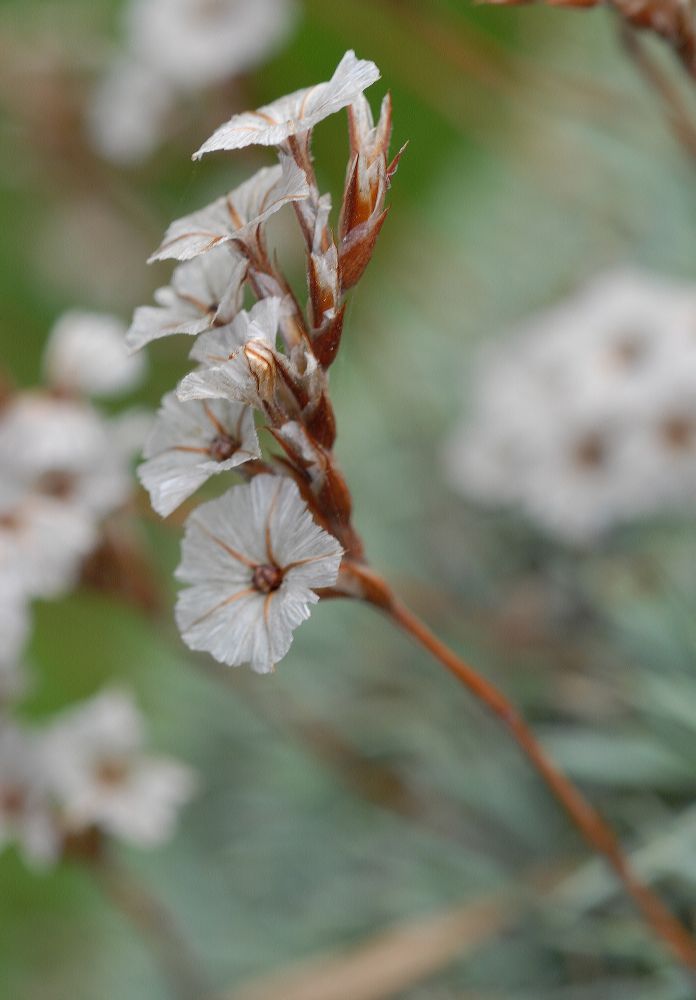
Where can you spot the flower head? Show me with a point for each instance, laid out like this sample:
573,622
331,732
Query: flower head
129,111
85,353
100,776
193,43
192,441
253,559
243,363
586,418
236,216
204,292
26,815
273,123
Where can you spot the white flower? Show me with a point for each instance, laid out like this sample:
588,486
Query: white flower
193,43
14,629
204,292
100,776
586,418
42,542
64,450
253,558
25,813
129,111
237,215
273,123
190,442
246,356
86,353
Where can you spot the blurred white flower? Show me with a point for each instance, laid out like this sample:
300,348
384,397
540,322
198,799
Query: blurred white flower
235,217
129,111
194,43
205,291
86,353
99,775
26,816
273,123
172,48
14,629
42,542
253,558
190,442
64,450
586,418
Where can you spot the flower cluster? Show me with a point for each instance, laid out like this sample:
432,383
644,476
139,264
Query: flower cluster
65,468
175,47
256,558
85,774
587,417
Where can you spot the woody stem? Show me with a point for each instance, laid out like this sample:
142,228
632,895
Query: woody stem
583,815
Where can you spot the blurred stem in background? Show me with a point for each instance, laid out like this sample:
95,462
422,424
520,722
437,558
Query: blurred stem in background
153,923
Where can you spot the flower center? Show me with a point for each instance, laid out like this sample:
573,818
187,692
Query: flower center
56,483
12,799
111,771
267,578
630,349
678,432
589,452
222,447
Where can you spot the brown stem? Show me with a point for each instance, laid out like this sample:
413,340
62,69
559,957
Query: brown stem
156,926
585,817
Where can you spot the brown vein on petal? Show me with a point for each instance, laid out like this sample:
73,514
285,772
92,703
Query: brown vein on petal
304,562
193,301
214,420
215,239
244,560
234,215
221,604
306,97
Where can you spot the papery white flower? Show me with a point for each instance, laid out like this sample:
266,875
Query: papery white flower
585,419
100,776
190,442
129,111
193,43
26,816
273,123
204,292
236,216
246,356
86,353
254,558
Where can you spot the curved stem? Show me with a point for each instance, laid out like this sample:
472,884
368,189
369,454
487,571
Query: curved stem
154,923
584,816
